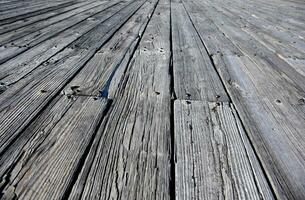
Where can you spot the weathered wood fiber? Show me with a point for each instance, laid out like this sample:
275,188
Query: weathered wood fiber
132,159
19,66
37,37
214,40
24,12
30,20
109,63
251,47
31,94
194,75
28,34
213,156
271,107
49,171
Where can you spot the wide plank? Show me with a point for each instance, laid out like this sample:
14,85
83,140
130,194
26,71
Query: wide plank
213,156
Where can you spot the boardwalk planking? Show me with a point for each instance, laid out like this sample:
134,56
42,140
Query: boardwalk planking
16,68
31,94
194,75
214,159
40,174
113,49
109,63
271,108
135,143
20,45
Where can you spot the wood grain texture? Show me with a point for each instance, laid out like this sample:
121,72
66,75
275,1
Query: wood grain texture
19,66
271,107
215,41
194,75
132,158
27,35
30,20
63,30
31,93
110,62
214,159
50,160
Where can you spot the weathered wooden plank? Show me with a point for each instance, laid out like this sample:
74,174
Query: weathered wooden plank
25,35
20,103
214,40
69,26
30,20
28,11
272,110
132,158
47,170
214,159
109,63
251,47
194,75
16,68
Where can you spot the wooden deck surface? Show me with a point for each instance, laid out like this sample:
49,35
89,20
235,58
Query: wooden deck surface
152,99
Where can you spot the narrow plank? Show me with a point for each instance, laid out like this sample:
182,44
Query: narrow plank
194,75
23,101
272,110
47,171
214,159
16,68
132,158
109,63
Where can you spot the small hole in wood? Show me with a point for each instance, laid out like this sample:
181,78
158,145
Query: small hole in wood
301,101
188,102
278,101
43,91
157,93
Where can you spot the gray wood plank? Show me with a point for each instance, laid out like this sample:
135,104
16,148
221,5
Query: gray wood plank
214,159
110,62
272,110
16,68
194,75
132,158
251,47
50,160
24,100
25,35
69,25
30,20
215,41
24,11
